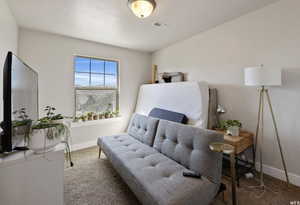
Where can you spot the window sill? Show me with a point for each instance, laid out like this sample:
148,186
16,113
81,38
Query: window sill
95,122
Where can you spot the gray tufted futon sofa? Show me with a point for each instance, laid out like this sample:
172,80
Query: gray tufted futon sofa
153,154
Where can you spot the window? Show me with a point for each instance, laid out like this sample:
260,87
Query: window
96,85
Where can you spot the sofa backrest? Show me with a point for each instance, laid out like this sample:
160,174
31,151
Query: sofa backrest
189,146
143,128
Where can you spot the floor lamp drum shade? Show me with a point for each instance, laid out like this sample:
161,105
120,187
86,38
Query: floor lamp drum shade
260,76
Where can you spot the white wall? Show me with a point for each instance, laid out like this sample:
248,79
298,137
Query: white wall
269,36
52,57
8,40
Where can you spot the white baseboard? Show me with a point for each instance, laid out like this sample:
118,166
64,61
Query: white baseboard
279,174
84,145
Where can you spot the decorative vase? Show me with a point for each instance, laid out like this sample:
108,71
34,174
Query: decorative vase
233,131
40,143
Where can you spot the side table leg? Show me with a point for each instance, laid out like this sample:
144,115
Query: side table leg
237,171
233,178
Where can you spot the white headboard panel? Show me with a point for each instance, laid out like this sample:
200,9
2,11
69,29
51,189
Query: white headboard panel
189,98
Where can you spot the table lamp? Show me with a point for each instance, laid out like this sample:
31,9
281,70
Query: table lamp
261,77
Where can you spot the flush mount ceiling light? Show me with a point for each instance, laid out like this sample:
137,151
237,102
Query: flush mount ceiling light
142,8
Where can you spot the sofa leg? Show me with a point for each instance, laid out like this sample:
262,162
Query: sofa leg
99,152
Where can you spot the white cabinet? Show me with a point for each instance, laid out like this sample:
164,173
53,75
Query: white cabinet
30,179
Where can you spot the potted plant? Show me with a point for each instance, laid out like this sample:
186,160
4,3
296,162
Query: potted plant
232,127
107,114
83,117
47,132
21,125
95,116
90,116
50,115
101,115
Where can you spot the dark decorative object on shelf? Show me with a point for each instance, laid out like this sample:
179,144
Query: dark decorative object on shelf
172,77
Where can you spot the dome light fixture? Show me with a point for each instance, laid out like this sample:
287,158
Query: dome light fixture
142,8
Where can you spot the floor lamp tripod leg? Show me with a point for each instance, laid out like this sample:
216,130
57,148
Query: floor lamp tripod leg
257,128
278,138
262,140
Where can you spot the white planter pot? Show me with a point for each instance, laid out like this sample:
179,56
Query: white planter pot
40,143
19,134
233,131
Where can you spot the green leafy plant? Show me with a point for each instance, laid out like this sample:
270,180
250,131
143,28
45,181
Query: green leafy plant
53,130
101,116
90,115
21,118
22,124
21,113
50,115
225,124
83,118
95,116
107,114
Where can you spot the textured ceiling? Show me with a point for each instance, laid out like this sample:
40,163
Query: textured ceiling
111,22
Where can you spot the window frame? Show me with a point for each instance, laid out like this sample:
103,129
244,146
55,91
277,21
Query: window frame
97,87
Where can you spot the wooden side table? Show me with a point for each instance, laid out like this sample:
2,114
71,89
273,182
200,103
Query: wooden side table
240,143
228,149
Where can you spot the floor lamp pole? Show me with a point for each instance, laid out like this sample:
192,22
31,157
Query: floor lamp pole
260,125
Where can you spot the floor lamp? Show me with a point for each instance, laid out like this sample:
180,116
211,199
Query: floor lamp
262,77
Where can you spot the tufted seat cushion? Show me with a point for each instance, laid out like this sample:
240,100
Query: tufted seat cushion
143,128
152,176
189,146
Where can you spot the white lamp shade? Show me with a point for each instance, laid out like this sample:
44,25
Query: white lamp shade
260,76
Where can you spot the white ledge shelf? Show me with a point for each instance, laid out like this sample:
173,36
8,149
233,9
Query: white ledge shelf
95,122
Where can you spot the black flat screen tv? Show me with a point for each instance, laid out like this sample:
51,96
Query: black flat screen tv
20,103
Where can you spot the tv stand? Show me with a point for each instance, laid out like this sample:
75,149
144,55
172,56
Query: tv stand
27,178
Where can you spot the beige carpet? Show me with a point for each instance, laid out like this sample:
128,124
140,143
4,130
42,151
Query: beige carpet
93,181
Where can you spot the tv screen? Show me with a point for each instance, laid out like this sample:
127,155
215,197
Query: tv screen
20,100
